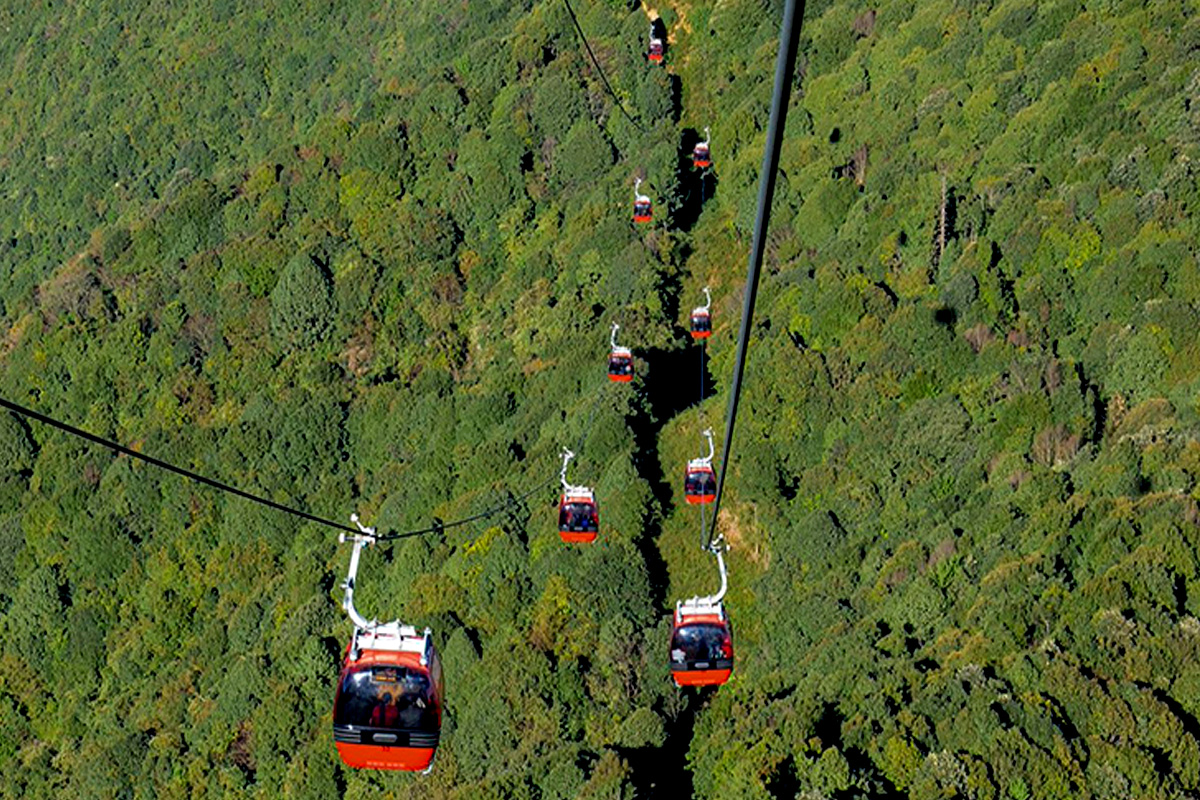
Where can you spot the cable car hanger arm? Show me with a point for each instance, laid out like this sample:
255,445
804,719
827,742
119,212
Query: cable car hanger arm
567,455
718,549
708,434
638,197
365,538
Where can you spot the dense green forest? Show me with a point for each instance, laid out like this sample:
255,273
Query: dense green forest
365,257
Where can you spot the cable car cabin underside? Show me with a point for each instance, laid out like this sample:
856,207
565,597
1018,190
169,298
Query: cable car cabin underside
578,516
701,645
701,157
699,483
388,710
655,53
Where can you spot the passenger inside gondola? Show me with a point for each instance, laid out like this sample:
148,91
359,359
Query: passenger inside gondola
385,714
620,365
700,482
578,517
386,697
701,641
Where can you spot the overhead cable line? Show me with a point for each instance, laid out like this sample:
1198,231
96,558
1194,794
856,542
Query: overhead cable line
512,502
785,65
599,68
437,527
597,396
224,487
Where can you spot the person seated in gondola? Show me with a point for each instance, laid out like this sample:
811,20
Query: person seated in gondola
700,483
384,714
409,705
580,517
620,365
411,711
702,317
376,718
700,642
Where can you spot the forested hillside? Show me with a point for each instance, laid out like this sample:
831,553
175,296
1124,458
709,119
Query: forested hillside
366,258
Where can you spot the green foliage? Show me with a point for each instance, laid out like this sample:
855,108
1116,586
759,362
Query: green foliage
374,270
17,454
301,303
583,155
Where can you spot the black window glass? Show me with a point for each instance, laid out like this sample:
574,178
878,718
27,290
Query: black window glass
704,641
386,697
700,483
577,517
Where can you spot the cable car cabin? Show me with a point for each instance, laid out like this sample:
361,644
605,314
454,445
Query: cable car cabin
701,644
620,365
578,517
701,156
700,483
702,317
643,209
388,709
655,54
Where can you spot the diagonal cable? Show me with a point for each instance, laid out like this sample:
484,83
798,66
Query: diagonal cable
785,65
599,68
437,527
224,487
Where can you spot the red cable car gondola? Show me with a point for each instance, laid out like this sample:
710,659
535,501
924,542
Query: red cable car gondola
655,54
702,638
620,365
701,153
620,360
578,515
700,482
702,318
643,209
387,713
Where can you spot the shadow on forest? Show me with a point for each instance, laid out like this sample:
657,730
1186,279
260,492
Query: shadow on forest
663,771
657,771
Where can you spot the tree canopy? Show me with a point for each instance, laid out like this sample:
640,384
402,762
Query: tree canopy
366,258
